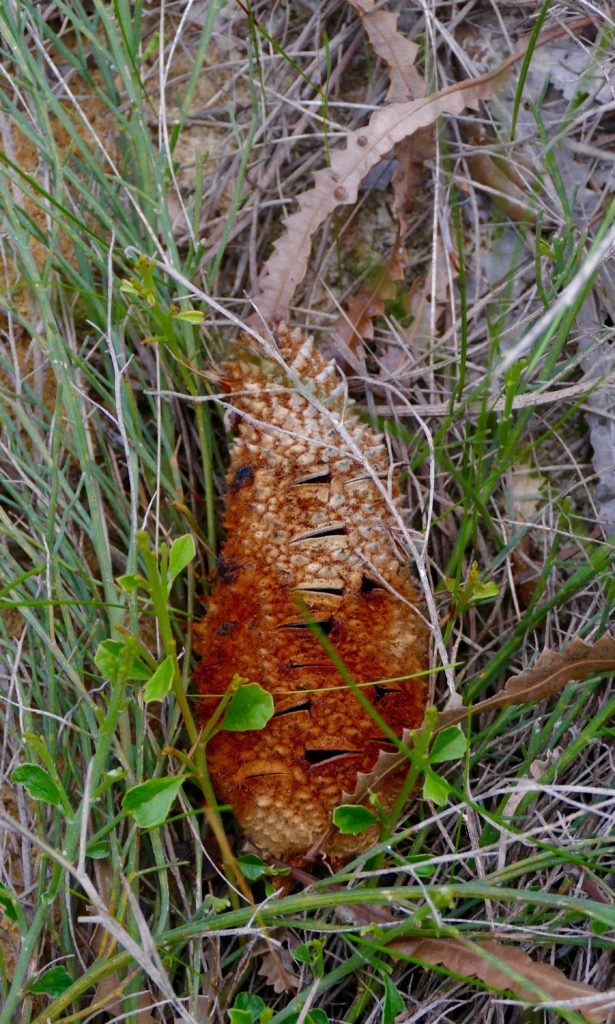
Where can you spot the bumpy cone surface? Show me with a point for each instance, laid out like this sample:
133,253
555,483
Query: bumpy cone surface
305,515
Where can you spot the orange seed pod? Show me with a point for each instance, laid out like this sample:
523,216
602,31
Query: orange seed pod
309,514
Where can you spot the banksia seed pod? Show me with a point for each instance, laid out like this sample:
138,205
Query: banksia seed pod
308,513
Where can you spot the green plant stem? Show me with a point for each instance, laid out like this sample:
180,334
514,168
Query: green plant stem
30,941
159,593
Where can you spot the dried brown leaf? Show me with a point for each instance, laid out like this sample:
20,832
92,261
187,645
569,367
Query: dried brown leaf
278,971
338,184
411,155
506,968
405,83
552,671
487,171
398,53
548,676
362,309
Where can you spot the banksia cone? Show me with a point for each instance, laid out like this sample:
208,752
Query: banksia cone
308,514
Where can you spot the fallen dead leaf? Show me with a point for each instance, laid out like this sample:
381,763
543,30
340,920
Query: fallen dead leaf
552,671
339,184
405,83
285,980
507,181
508,968
500,966
398,52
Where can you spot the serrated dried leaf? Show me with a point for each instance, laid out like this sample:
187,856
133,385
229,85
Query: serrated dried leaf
398,53
514,971
405,83
552,671
339,184
281,980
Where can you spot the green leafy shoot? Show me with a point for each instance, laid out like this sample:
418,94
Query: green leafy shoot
473,591
8,903
182,553
53,982
38,783
121,656
190,316
254,867
150,802
249,708
393,1002
351,819
449,745
161,682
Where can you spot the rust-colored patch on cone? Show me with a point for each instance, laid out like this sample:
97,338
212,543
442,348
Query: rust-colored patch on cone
304,516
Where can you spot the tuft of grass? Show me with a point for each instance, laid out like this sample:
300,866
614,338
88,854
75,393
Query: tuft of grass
127,252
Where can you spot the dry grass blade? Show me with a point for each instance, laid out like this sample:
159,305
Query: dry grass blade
508,968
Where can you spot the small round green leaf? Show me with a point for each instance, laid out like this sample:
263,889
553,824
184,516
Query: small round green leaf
485,591
250,707
239,1016
97,849
128,288
151,802
449,745
53,982
436,789
247,1008
131,581
420,865
161,682
112,655
107,657
252,866
317,1016
181,554
353,818
38,782
7,902
190,316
